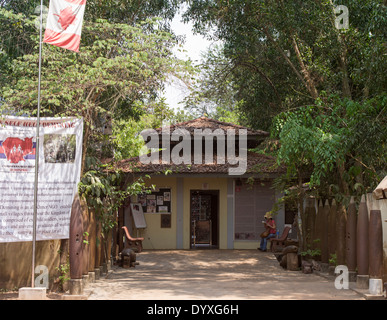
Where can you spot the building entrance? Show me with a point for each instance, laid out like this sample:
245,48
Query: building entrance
204,219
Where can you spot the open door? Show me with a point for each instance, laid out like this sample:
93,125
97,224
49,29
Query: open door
204,218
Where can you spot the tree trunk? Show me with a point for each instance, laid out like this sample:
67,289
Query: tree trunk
305,71
346,89
342,183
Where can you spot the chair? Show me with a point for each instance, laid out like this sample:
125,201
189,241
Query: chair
132,243
280,242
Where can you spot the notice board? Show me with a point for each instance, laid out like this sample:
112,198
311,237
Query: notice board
158,201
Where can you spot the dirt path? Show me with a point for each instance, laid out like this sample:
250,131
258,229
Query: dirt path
213,274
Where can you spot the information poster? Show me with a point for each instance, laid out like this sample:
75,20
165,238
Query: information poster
156,202
60,154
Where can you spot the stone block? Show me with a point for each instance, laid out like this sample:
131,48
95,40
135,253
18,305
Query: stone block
362,281
76,286
376,287
38,293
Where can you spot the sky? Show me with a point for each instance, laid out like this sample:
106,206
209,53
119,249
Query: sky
194,45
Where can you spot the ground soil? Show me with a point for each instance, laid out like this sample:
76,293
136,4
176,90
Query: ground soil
208,275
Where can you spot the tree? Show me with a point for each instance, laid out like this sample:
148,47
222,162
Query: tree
320,90
105,190
119,68
118,75
286,55
18,37
213,92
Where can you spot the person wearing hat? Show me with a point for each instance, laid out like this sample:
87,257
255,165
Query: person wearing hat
270,231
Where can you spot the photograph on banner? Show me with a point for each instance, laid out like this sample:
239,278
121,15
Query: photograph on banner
60,154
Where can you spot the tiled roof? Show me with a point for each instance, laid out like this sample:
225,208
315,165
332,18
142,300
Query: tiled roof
206,123
256,163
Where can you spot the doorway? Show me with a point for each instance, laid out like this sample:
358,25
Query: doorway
204,219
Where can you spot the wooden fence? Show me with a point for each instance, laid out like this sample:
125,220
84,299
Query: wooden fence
355,236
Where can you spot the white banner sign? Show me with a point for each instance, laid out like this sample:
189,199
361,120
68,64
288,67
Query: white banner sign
60,154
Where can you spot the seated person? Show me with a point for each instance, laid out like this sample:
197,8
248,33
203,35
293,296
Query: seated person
271,227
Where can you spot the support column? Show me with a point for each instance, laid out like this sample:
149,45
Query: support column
180,213
230,213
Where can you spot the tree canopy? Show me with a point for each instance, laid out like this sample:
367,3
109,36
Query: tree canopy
319,89
118,74
283,66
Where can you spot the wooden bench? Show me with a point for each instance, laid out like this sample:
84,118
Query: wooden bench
280,242
132,243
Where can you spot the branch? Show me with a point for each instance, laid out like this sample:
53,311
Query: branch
266,78
342,58
309,81
362,163
283,54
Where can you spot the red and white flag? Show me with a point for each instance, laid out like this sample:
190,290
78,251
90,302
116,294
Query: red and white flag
64,23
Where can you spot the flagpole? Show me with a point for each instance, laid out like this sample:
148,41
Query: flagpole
37,151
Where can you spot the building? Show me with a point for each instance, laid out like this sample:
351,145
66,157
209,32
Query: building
210,191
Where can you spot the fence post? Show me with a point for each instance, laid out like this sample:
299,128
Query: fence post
342,222
351,238
375,245
362,255
324,233
332,228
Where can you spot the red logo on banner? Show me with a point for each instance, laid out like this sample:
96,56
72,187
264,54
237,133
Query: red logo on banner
16,149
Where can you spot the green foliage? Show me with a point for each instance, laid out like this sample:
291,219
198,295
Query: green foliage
127,141
311,253
213,93
117,66
314,139
105,190
280,55
118,74
321,91
64,270
333,259
131,11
